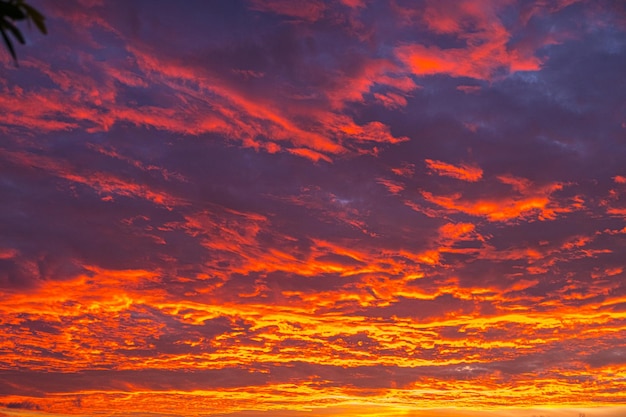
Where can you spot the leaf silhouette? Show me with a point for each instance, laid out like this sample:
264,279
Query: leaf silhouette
12,11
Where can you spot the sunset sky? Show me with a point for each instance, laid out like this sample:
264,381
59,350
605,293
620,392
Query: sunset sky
255,208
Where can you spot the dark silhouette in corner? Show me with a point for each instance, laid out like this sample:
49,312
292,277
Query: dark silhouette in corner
13,11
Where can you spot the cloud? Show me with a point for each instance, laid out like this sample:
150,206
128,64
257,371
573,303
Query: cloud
462,172
332,208
486,53
528,200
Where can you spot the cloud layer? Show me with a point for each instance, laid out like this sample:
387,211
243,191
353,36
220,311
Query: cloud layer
274,207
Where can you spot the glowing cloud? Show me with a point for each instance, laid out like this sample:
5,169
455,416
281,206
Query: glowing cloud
315,208
461,172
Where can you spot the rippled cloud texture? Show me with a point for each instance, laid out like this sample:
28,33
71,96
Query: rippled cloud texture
315,208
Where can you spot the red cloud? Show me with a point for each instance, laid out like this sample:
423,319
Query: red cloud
461,172
486,53
392,186
528,200
106,184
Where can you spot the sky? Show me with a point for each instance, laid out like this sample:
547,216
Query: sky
254,208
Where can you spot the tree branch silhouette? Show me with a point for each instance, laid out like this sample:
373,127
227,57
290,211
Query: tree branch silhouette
13,11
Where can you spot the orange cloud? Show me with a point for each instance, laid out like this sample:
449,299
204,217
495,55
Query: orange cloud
454,231
393,187
462,172
492,209
314,127
486,53
369,132
529,200
482,62
391,100
105,184
352,87
405,170
263,123
309,154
